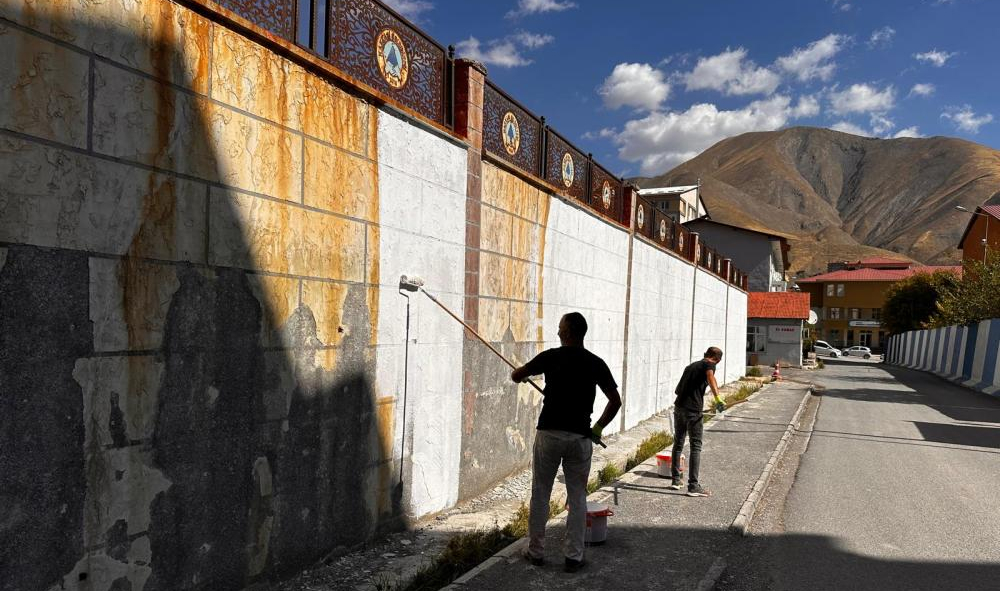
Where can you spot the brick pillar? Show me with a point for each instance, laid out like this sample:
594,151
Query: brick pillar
727,270
695,249
470,77
629,194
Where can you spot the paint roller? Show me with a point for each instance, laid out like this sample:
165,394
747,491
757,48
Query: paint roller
414,283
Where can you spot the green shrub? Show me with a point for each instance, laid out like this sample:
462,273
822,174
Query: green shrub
754,372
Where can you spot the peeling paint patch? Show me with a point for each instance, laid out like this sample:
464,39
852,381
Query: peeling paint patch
128,303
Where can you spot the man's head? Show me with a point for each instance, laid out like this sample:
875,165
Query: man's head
714,353
572,329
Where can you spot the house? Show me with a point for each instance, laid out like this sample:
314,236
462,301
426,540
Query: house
849,301
762,255
682,203
982,235
774,327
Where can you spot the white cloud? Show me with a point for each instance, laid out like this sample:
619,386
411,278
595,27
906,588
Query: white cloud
881,125
911,131
731,73
851,128
605,132
842,6
661,140
532,40
411,9
635,85
922,89
814,60
965,119
808,106
882,37
505,52
935,57
525,7
862,98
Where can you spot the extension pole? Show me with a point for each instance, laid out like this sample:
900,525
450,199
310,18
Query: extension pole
477,335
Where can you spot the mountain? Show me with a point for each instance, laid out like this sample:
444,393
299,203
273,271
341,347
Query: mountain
839,196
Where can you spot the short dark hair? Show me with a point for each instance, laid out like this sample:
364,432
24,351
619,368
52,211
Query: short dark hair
713,353
577,324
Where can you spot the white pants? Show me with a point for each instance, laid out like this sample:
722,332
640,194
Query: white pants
574,452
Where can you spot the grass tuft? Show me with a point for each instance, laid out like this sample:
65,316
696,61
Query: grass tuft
820,364
754,372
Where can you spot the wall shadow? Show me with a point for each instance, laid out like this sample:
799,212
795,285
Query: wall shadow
271,460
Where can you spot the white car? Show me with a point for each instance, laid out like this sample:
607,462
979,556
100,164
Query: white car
824,348
858,351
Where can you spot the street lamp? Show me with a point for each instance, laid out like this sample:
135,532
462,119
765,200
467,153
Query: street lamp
986,243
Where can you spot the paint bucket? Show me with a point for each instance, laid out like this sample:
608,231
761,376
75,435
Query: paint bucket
663,464
597,524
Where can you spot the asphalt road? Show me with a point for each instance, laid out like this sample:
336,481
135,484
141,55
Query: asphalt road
896,485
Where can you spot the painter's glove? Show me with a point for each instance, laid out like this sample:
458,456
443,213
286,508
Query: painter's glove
595,434
719,405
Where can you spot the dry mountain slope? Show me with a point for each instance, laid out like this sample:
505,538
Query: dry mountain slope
844,196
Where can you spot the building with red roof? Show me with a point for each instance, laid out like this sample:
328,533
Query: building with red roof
849,301
774,327
982,235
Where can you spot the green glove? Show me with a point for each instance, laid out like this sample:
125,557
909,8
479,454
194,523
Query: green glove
596,431
719,405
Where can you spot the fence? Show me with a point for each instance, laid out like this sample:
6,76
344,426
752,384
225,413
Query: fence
964,354
379,49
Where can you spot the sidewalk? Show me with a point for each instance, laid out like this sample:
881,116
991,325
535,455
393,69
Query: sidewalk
662,539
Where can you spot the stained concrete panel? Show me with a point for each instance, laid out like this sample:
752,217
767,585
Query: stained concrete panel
44,89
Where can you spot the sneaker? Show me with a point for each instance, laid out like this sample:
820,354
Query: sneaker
697,490
675,485
535,561
571,566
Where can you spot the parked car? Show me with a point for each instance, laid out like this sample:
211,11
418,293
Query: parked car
824,348
858,351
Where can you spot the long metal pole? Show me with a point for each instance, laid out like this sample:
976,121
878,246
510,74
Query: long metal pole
477,335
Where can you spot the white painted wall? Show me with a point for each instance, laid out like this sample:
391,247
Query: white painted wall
584,270
659,330
422,232
709,314
736,335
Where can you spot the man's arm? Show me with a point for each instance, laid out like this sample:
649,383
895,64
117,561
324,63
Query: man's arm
532,368
520,374
710,373
610,410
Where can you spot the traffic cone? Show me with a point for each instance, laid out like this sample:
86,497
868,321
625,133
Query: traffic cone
776,374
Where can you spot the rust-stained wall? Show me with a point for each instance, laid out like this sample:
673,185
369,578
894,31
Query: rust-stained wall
499,419
188,305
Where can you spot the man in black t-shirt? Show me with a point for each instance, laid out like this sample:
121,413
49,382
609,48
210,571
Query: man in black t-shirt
564,434
688,407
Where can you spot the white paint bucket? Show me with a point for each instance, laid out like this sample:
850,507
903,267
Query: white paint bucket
663,464
597,523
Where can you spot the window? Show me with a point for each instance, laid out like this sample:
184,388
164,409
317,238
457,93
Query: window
855,313
834,337
756,337
840,290
829,290
834,313
876,313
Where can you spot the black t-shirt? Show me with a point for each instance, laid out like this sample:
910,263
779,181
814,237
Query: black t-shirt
690,390
571,374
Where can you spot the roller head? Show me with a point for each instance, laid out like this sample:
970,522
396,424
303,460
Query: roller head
410,282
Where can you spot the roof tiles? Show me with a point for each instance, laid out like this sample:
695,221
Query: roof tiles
778,304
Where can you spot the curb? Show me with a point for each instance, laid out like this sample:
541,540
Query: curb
741,525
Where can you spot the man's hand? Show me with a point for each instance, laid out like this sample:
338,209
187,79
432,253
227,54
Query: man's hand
595,434
719,405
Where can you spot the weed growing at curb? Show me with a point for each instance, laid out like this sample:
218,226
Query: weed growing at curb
820,364
742,394
649,446
754,372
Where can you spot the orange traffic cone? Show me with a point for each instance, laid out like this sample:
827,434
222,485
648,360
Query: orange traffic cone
776,374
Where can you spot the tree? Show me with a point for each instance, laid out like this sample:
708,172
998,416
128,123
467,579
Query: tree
976,297
910,303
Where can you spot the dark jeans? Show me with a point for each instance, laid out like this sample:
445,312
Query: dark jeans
688,424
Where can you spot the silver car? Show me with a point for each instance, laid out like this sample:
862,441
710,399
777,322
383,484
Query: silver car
824,348
858,351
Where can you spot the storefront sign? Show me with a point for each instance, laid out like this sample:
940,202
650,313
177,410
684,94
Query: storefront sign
784,334
865,323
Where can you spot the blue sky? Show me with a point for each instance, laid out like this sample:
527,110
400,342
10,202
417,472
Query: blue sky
646,84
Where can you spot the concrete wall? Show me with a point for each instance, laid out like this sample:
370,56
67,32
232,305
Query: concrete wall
969,355
786,353
207,377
